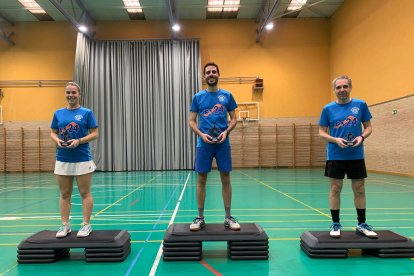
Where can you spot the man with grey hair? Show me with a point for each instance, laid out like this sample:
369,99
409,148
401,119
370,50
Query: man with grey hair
340,125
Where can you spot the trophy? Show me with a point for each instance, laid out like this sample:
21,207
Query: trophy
349,139
65,140
214,133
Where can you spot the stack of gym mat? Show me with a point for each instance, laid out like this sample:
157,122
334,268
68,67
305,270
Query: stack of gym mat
100,246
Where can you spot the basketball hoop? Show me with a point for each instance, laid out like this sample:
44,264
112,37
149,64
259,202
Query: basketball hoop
245,121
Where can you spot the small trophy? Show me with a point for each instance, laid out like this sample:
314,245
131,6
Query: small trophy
65,140
214,133
349,137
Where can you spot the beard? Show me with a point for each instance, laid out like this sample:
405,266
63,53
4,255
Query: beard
210,81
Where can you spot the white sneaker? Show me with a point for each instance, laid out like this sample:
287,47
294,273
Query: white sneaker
63,231
366,230
335,230
197,224
85,230
231,223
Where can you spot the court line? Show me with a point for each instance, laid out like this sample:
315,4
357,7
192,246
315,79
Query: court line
158,257
286,195
122,198
119,200
209,267
150,234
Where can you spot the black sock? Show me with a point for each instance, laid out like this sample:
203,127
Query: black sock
361,215
335,215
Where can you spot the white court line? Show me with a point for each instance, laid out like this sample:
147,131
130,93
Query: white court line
157,259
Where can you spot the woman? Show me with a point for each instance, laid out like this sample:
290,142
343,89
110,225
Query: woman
72,129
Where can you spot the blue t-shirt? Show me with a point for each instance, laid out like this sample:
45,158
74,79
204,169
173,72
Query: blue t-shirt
345,121
73,124
212,109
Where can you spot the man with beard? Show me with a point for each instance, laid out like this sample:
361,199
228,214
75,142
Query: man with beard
212,106
345,152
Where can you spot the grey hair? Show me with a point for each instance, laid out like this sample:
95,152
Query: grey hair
343,77
72,83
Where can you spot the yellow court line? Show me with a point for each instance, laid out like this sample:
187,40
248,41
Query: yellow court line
8,270
144,241
122,198
288,196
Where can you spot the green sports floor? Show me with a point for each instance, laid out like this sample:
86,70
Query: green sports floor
285,202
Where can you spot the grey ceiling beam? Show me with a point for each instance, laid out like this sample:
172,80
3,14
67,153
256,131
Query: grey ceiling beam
86,16
268,17
171,14
261,13
3,36
4,18
69,16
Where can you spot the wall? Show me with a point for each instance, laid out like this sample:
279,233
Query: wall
292,59
389,148
42,51
372,41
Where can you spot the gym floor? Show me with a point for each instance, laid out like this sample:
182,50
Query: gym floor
285,202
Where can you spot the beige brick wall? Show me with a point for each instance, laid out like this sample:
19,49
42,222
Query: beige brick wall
390,147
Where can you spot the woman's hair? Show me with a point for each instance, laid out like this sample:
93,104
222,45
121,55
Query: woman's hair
72,83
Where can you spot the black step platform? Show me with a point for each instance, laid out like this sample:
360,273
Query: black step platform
318,244
100,246
249,243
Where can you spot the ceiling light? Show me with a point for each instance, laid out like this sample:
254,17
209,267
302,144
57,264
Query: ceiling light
83,28
176,27
223,5
32,6
269,26
296,5
133,6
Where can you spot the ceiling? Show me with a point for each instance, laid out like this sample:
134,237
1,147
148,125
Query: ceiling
13,11
87,12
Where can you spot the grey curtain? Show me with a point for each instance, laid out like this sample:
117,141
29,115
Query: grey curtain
140,92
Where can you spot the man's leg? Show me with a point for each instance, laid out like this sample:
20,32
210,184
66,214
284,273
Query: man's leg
226,192
334,205
201,193
360,201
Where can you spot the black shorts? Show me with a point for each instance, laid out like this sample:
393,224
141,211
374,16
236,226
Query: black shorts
354,169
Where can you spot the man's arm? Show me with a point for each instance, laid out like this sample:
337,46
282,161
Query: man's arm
232,124
193,125
323,132
367,132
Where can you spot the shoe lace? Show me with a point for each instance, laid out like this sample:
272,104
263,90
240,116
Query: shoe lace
198,220
366,226
84,227
232,219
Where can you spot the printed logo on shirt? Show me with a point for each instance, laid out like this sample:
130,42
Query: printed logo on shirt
78,117
67,130
348,122
221,98
355,110
217,109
